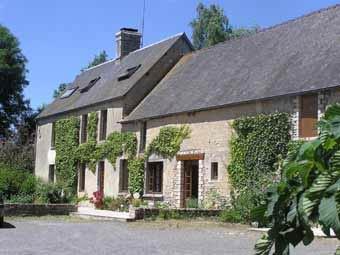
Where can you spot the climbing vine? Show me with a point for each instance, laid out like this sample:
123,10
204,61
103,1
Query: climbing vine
136,175
168,142
257,145
66,144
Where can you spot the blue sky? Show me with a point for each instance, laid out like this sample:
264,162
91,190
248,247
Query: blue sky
59,37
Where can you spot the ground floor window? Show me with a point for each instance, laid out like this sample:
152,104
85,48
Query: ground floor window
214,171
124,176
82,169
51,173
154,177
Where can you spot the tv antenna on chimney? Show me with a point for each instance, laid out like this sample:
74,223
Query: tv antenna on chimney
143,18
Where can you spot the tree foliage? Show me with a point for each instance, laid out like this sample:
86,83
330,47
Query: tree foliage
308,193
61,88
98,59
13,81
211,26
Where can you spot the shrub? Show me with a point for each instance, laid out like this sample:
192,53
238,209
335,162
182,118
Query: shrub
242,206
22,199
192,203
136,203
15,183
51,193
231,215
116,204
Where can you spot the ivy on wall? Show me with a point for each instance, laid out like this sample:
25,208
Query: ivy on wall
136,175
256,147
167,144
66,144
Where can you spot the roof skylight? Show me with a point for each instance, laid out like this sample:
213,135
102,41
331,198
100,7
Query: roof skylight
90,85
128,73
68,93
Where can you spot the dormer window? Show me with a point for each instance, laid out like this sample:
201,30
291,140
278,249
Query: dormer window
128,73
68,93
90,85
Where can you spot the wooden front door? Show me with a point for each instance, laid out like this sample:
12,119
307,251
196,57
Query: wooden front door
309,116
189,181
101,173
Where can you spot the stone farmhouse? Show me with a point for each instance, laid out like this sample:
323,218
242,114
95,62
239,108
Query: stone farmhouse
293,67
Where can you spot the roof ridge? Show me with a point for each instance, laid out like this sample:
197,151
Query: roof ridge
272,27
158,42
150,45
106,62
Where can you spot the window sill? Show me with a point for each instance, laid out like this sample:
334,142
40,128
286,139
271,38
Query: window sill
307,138
148,195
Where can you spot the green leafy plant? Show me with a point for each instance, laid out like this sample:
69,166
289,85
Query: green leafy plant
192,203
168,141
116,204
241,207
116,145
66,145
16,184
256,147
308,193
51,193
136,175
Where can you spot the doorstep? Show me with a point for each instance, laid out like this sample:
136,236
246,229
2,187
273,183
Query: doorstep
316,231
95,214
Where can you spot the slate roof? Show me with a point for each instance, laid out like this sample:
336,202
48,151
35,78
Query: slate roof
297,56
108,87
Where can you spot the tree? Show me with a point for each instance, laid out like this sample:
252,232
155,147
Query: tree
308,193
13,81
211,26
57,92
98,59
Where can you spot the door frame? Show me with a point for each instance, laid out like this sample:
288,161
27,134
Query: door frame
184,178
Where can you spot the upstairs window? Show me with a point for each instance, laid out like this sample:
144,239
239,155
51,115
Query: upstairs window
308,116
53,136
90,85
68,93
128,73
103,125
83,131
142,137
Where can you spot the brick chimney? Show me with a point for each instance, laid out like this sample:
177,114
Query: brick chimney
128,40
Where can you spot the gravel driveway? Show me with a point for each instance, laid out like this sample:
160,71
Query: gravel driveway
68,236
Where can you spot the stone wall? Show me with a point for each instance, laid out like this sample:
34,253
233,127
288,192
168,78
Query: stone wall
38,209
